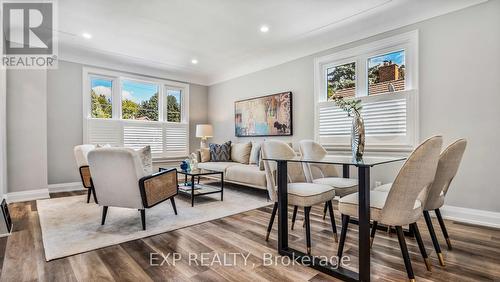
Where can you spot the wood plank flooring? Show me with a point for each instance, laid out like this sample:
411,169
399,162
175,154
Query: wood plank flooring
475,257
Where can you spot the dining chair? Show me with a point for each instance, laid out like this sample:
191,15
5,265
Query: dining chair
324,173
120,180
403,204
300,192
449,162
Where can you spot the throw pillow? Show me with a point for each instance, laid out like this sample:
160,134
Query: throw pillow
146,159
240,152
204,155
220,152
255,153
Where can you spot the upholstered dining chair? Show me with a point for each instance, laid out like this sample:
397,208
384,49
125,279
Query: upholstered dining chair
120,180
324,173
403,204
449,162
80,152
300,192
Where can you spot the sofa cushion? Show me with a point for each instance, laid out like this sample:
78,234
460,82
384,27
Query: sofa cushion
249,174
204,155
220,152
216,166
240,152
255,153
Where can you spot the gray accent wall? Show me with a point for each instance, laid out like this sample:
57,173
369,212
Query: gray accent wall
458,91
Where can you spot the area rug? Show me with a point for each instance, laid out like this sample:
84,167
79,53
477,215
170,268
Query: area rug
71,226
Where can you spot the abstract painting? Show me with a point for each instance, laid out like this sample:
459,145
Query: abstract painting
264,116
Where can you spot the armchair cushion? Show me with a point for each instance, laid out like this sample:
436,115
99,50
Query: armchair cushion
146,159
158,187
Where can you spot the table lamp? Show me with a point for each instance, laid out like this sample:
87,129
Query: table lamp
204,131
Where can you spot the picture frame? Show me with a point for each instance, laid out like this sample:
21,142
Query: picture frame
263,116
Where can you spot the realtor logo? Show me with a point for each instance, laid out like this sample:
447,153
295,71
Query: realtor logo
29,31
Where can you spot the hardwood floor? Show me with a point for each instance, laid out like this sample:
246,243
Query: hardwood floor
475,255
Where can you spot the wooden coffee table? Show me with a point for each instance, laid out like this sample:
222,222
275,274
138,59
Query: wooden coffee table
196,189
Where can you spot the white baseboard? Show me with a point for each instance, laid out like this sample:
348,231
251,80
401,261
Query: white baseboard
28,195
66,187
472,216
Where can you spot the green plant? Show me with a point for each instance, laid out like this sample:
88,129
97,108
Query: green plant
351,106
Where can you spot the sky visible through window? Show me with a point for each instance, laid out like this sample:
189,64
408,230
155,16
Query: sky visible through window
138,92
397,58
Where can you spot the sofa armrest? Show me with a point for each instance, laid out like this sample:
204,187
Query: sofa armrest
158,187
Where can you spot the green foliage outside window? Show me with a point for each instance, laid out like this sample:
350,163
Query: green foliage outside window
173,109
340,78
101,106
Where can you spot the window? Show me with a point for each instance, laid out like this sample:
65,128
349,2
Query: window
383,75
101,98
174,106
386,73
135,111
139,100
341,80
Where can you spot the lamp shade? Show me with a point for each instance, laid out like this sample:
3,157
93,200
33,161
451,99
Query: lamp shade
204,130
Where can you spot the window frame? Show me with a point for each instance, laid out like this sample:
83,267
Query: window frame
116,96
117,78
360,55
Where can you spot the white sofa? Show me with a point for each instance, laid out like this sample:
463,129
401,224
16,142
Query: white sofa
246,172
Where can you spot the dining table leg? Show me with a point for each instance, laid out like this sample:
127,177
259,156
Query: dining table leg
282,207
364,223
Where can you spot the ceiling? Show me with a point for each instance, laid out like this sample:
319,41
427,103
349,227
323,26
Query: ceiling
224,35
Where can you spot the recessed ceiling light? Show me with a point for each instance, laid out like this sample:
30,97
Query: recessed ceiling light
264,28
194,61
86,35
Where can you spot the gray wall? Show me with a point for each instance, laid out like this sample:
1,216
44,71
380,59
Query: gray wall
26,130
459,96
64,120
3,132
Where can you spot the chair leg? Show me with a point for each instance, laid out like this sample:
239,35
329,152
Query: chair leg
104,213
88,195
372,233
93,193
332,219
271,221
294,215
143,219
421,246
435,241
324,210
343,234
443,228
404,252
307,210
172,200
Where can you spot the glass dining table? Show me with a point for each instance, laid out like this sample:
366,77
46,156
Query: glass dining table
363,165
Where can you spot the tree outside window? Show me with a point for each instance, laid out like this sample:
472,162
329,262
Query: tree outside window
341,80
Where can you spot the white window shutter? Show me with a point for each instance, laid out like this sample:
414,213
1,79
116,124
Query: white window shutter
101,131
176,140
138,135
390,122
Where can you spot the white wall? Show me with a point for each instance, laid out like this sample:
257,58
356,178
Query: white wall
64,118
459,96
26,130
3,133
